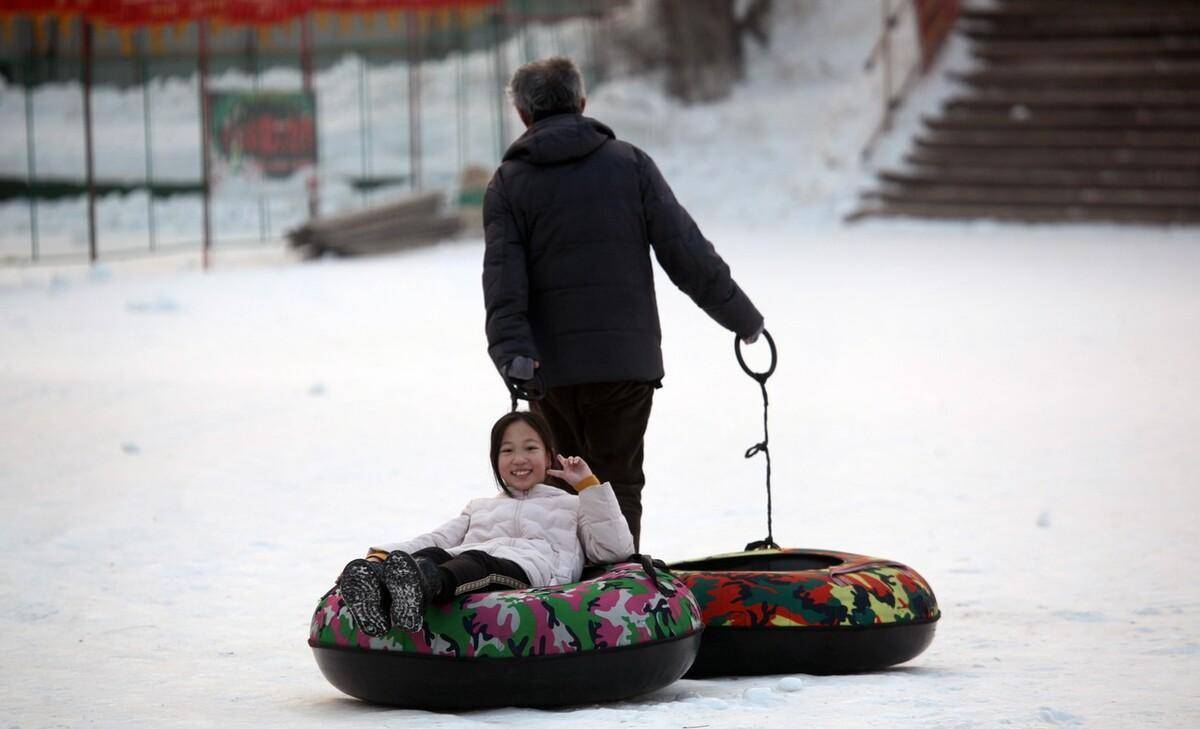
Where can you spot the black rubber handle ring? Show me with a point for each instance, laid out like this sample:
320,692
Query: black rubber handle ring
760,376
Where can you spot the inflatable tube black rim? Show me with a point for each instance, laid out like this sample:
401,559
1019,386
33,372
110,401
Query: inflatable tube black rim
444,683
821,650
827,628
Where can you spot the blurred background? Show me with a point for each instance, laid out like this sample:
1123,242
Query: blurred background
134,127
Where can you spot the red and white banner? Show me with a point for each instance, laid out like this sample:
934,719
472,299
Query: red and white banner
139,13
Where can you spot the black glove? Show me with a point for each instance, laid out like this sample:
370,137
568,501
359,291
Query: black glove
519,370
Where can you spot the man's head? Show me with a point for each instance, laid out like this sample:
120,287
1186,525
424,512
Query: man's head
546,87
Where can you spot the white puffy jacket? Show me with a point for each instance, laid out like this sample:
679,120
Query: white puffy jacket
545,530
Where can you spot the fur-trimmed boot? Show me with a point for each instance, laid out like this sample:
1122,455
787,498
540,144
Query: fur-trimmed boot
413,585
361,586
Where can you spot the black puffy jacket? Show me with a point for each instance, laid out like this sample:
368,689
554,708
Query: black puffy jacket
569,220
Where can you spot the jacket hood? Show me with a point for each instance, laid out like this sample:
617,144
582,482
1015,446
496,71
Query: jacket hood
558,139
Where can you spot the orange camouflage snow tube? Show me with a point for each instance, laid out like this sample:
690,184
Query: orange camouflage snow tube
807,611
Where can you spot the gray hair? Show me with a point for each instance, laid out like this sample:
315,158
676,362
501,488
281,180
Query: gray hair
547,86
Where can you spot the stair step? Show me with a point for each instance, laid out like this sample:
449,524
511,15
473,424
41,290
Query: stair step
1056,157
1133,24
980,98
1009,8
1038,51
1061,139
1031,213
1079,111
1022,13
1039,118
1133,75
1088,67
973,194
1045,177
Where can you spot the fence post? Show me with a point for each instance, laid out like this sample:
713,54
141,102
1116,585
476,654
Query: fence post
460,96
264,212
364,128
202,34
414,100
527,47
87,137
144,72
306,65
886,50
31,159
501,79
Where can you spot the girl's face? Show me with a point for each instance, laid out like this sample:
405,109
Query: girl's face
523,459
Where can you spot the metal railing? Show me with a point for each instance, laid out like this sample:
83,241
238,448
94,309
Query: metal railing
933,22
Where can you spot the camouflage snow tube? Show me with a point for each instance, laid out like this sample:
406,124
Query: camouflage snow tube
807,611
616,635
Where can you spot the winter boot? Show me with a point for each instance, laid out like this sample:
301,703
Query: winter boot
360,585
413,584
431,576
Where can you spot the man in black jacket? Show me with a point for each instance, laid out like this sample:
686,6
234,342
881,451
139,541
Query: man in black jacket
569,220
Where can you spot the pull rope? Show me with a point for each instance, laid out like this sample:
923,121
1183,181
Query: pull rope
652,567
762,446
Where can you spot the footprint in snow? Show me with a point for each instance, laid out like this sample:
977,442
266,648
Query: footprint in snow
1081,616
158,305
709,702
760,696
1187,649
1058,717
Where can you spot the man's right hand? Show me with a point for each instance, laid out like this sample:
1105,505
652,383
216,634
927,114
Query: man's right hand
521,369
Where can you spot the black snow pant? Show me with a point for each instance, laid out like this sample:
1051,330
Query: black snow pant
473,571
605,424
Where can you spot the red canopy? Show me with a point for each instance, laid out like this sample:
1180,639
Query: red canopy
139,13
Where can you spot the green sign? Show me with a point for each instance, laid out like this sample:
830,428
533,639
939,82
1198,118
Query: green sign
262,134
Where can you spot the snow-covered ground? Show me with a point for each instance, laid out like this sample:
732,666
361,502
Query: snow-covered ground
188,458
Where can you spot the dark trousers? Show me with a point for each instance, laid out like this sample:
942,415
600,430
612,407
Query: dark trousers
605,424
473,571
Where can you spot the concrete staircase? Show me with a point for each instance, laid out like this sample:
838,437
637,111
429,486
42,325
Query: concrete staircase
1079,111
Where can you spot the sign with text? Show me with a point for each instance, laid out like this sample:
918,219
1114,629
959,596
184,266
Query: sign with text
262,135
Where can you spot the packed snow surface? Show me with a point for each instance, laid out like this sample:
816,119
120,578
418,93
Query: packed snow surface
189,458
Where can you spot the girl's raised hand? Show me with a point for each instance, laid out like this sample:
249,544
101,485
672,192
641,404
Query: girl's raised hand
574,469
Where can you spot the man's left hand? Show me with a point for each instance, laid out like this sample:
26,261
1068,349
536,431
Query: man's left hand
754,337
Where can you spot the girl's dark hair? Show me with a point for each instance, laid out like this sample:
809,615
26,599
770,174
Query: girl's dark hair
533,420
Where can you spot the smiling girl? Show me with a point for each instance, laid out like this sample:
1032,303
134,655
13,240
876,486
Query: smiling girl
531,535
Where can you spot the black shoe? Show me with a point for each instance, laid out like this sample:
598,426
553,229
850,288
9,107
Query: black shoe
410,598
360,586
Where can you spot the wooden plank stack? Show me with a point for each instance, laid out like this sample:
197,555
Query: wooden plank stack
408,223
1080,111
